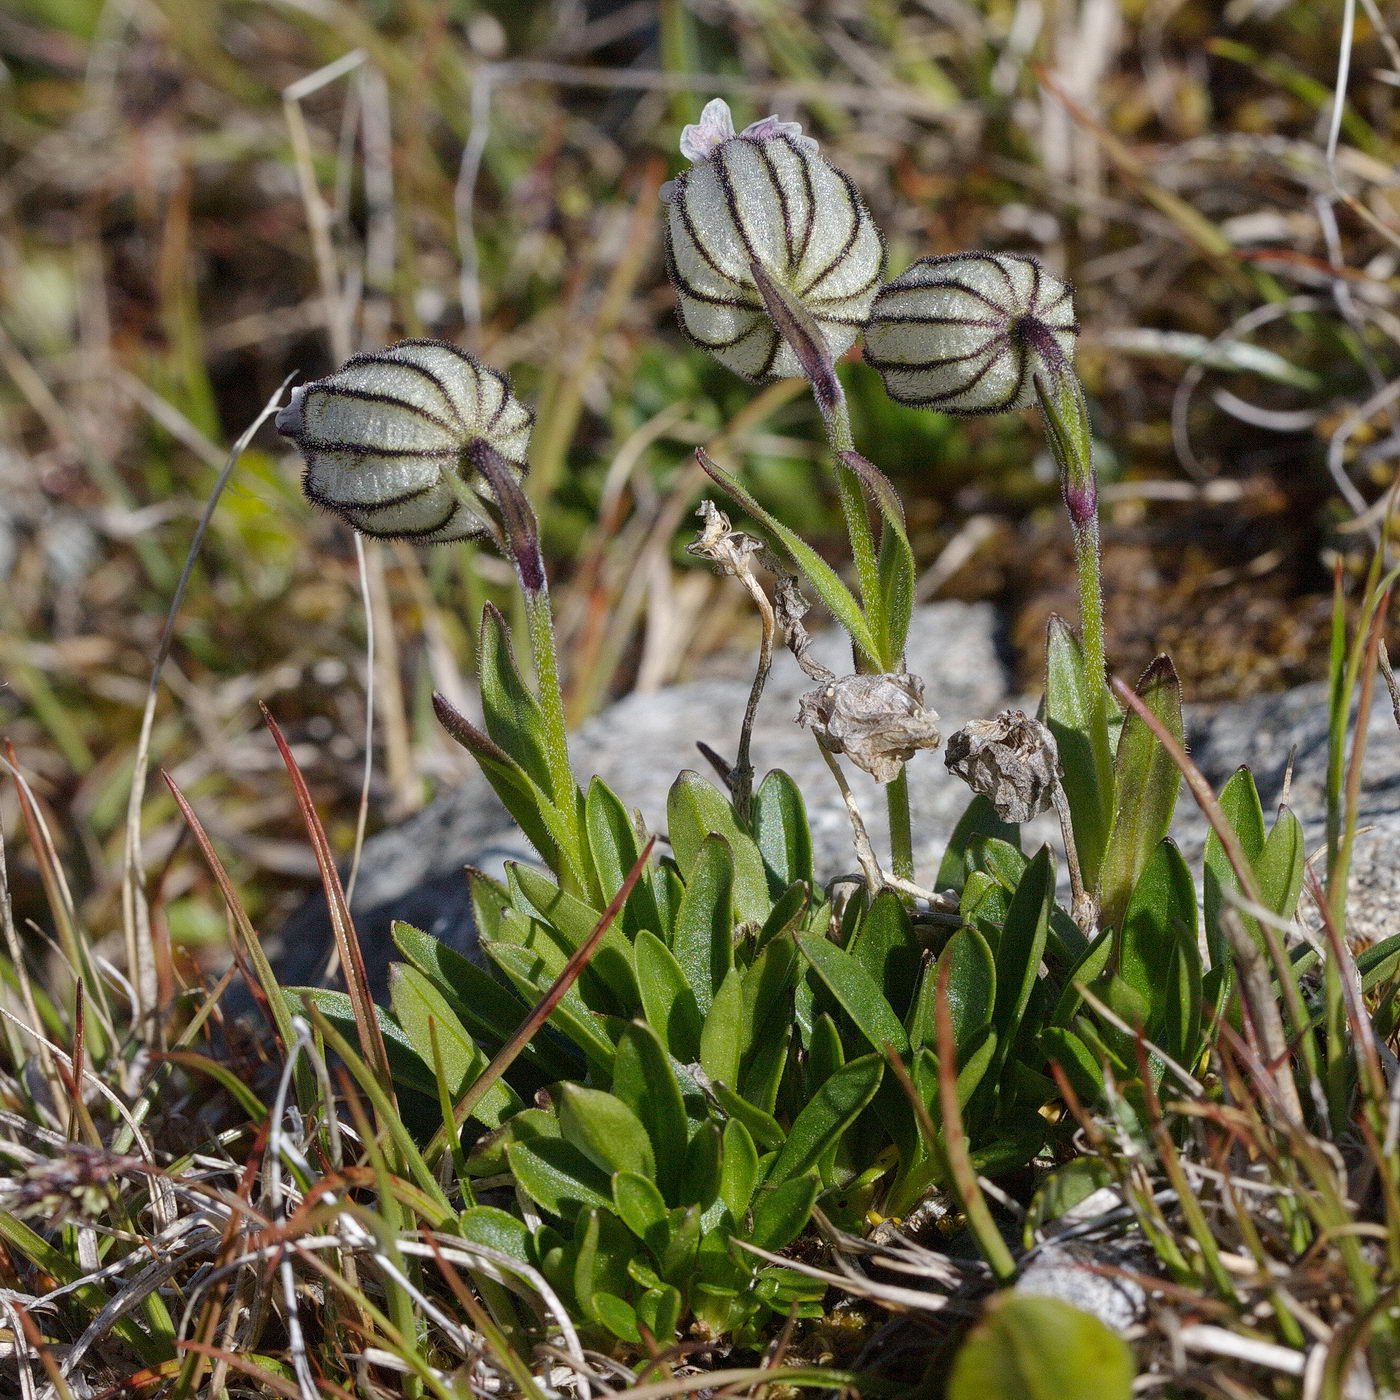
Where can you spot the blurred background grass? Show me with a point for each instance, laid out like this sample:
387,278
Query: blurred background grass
177,235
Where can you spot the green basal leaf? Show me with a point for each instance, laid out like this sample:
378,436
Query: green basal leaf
499,1230
1001,860
1061,1191
659,1311
645,1081
855,990
782,1213
613,849
1061,1046
787,913
838,598
763,1127
602,1247
769,990
1159,953
738,1168
886,946
696,810
980,820
425,1016
704,939
1092,965
605,1130
1239,801
972,991
617,1316
723,1037
1146,782
1021,948
406,1065
667,997
558,1177
779,823
640,1207
825,1054
700,1169
608,982
1077,714
821,1124
532,975
1279,868
514,717
1039,1348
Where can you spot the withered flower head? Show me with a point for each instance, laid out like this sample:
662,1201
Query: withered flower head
878,722
766,196
384,435
969,332
1010,760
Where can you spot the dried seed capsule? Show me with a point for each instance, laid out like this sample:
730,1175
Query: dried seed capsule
968,333
766,195
877,721
384,435
1011,760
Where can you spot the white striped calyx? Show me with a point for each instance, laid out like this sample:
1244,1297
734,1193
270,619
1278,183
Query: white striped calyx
766,195
969,332
387,433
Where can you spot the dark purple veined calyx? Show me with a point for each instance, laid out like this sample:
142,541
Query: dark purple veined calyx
968,332
385,435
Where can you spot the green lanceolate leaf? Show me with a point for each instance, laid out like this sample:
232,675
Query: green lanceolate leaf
972,990
780,829
605,1130
738,1168
704,939
722,1039
1239,801
896,561
695,810
1159,953
1022,946
532,975
700,1168
1279,868
766,1035
1091,965
979,820
886,946
855,990
497,1229
1040,1349
644,1080
641,1209
823,578
1146,782
557,1176
823,1121
763,1127
613,848
781,1214
514,717
1082,1067
427,1018
1077,711
407,1066
668,999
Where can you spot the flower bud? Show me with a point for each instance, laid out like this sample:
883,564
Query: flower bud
1010,760
385,434
969,333
766,195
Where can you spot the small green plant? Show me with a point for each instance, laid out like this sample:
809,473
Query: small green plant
671,1064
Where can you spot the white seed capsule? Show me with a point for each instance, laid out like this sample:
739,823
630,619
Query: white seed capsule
384,435
766,195
968,333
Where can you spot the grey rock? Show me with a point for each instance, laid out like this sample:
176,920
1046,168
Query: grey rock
1086,1275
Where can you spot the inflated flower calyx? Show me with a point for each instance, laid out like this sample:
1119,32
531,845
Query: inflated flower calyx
1010,760
969,333
384,436
765,195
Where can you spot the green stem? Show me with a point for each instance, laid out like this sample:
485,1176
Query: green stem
862,537
1087,557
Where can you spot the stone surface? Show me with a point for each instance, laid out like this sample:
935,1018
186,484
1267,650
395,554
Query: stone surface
414,871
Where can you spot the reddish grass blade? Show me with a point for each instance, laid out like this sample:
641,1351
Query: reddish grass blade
352,960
